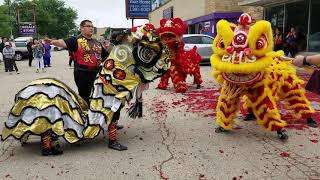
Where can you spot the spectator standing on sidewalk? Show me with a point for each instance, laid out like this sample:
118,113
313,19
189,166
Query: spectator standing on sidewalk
71,57
38,51
1,49
277,40
47,54
8,56
30,54
291,43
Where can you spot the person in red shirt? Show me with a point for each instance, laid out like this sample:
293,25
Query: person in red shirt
88,52
277,40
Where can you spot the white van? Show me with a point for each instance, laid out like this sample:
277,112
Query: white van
20,46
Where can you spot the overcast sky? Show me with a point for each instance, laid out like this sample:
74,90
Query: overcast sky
103,13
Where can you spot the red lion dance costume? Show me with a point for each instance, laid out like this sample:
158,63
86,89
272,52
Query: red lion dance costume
182,62
246,67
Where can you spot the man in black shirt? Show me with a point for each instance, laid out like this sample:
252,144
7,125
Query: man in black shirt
88,53
30,54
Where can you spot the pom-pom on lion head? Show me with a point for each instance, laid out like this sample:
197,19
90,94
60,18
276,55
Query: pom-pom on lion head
241,52
144,31
171,31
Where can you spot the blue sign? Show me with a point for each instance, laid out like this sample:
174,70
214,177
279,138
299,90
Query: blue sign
27,30
138,9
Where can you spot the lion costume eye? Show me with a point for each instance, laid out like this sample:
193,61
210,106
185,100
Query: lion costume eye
261,43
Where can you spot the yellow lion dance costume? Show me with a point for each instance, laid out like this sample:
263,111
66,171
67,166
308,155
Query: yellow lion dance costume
246,67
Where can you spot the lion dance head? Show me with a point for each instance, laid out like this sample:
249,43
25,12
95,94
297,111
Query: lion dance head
241,52
171,31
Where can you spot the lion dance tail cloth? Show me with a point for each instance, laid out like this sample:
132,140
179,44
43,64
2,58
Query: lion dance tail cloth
183,62
246,67
46,105
49,108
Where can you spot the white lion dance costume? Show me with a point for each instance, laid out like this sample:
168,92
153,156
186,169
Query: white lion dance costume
50,109
246,67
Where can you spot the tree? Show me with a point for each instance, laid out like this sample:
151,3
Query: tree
53,18
107,33
6,21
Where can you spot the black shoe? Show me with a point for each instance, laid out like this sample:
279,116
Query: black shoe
120,127
52,152
282,135
117,146
220,130
311,122
250,117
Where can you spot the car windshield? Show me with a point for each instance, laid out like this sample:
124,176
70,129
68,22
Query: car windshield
192,40
206,40
20,44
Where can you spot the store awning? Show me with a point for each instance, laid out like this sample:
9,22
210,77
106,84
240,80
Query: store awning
259,2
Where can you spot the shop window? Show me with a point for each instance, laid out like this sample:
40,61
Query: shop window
297,17
275,16
314,37
191,29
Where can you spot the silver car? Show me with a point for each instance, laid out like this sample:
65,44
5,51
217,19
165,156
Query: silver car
203,43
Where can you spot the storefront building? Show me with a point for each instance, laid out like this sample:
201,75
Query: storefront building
202,15
298,14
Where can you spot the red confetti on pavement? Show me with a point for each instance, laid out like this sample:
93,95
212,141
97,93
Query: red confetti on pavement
203,102
314,140
221,151
284,154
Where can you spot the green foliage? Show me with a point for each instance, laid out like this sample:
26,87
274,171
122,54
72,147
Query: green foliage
52,17
107,32
5,22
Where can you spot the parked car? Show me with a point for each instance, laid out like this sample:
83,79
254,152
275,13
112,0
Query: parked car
20,47
203,43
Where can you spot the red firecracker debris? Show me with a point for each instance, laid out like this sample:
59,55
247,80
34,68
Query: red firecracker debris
284,154
314,140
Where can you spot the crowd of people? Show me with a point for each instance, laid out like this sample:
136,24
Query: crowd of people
38,53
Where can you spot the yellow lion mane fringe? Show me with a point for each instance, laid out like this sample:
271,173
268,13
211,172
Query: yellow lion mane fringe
225,33
255,32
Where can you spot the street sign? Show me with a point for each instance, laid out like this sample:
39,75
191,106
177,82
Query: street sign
27,30
138,9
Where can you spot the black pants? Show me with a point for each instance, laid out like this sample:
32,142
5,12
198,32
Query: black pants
277,47
84,81
9,64
30,59
292,49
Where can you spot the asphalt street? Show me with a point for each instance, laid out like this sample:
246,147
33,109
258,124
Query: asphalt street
175,139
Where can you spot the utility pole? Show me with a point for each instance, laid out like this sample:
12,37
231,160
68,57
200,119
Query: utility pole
9,14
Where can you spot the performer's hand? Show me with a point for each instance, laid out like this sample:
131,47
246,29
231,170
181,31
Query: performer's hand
47,40
298,61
